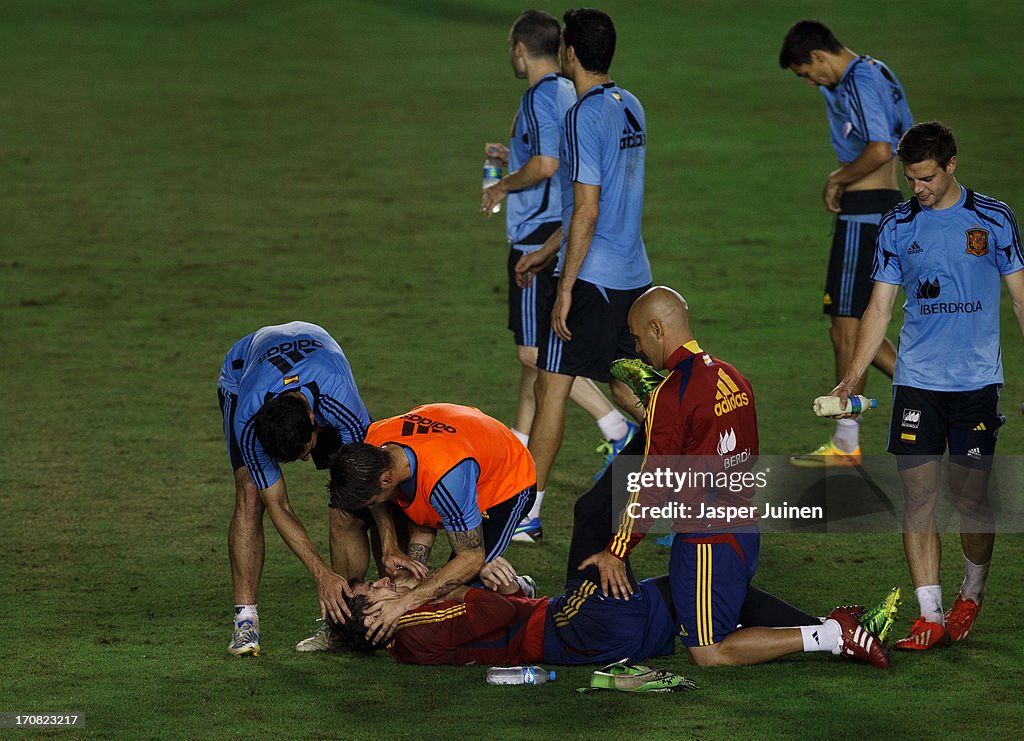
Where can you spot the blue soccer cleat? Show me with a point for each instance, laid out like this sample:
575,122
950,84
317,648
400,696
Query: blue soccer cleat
528,531
611,448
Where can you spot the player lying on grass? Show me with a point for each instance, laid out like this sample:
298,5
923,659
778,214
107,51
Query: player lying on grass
446,466
702,417
580,626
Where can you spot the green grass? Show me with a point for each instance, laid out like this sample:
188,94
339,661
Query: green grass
177,174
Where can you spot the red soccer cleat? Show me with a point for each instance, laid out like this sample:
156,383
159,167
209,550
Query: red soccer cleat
855,610
857,643
923,636
960,618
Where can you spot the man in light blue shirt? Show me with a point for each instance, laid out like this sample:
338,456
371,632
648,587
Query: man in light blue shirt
287,393
534,213
867,113
603,265
948,248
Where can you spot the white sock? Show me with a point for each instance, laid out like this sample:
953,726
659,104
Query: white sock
523,437
535,510
847,434
930,600
246,612
824,637
975,575
613,425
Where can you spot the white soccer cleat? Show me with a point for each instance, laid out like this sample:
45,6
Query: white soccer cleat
528,585
246,640
319,641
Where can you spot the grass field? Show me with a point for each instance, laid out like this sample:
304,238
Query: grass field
176,174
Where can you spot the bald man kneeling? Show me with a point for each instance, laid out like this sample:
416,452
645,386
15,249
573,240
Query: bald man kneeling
701,418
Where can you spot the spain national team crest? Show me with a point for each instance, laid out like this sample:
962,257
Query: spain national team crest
977,242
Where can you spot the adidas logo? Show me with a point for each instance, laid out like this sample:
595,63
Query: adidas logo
727,441
915,249
728,396
974,453
633,133
980,427
415,424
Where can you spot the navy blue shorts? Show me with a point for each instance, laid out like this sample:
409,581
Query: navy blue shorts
924,422
583,626
600,333
848,282
527,305
709,574
228,403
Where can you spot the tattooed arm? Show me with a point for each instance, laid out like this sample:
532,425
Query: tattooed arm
469,558
421,541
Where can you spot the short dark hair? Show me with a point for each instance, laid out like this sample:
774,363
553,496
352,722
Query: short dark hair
538,31
804,37
591,34
351,634
930,140
355,475
283,427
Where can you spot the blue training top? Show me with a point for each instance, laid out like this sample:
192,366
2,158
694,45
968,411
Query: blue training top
297,356
537,131
868,105
949,263
604,143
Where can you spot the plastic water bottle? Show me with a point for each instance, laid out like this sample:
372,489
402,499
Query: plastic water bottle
519,675
492,174
828,406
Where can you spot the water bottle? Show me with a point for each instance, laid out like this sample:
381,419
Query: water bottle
519,675
828,406
492,174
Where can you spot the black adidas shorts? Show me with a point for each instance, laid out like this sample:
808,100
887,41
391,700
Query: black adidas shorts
529,307
848,281
600,333
923,422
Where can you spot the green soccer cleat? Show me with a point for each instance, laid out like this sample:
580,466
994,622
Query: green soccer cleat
639,376
880,619
626,677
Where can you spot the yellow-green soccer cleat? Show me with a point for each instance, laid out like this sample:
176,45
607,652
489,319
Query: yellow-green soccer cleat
880,619
827,456
626,677
639,376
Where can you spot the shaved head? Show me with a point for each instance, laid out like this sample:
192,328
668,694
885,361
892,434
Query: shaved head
660,323
662,303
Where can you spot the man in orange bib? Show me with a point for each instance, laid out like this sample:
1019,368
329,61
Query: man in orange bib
446,466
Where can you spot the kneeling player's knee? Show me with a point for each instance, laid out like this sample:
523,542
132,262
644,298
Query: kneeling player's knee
343,522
